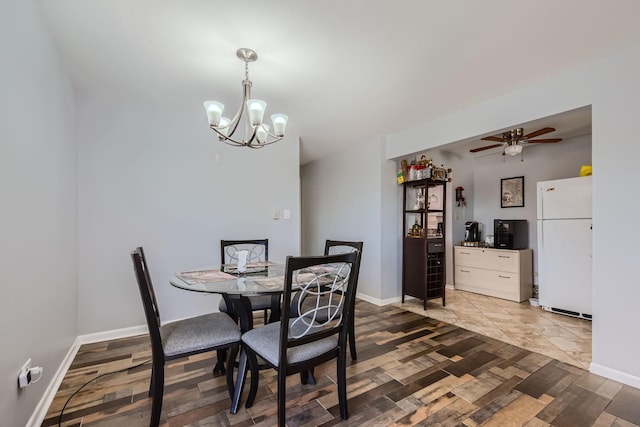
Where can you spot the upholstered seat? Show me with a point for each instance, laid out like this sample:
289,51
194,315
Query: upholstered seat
197,334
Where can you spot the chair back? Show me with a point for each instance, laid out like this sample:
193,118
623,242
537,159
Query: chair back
258,250
327,286
148,296
332,247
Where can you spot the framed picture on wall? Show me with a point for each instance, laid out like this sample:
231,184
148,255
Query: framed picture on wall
512,192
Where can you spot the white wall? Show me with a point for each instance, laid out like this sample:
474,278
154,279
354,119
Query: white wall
38,152
342,200
611,87
149,177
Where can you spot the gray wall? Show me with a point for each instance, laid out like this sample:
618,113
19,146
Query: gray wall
149,177
342,200
38,253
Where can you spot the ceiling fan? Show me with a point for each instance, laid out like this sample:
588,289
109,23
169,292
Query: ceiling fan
513,140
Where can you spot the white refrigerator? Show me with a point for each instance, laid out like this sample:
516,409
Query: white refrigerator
564,246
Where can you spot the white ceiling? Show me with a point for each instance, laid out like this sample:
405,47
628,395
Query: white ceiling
344,71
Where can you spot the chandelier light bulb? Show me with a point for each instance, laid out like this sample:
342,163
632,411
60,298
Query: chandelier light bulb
256,109
261,133
279,124
214,112
223,127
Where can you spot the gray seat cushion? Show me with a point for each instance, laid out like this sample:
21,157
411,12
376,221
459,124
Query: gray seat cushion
199,333
265,341
258,302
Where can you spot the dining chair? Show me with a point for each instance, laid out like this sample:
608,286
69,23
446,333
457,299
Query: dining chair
297,344
258,250
333,247
182,338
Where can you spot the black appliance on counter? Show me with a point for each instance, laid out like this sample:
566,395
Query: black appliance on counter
471,231
510,234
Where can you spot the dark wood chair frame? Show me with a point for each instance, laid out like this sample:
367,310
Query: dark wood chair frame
357,246
285,369
159,359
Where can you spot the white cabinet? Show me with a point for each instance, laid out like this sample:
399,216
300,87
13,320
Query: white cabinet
501,273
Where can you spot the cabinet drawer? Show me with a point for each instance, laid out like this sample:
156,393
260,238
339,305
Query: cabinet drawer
502,260
490,259
487,282
435,246
470,257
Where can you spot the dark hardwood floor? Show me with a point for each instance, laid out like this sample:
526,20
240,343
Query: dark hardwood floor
411,370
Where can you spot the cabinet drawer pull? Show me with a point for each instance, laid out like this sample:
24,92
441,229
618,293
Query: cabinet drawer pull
504,277
465,253
437,245
504,256
465,271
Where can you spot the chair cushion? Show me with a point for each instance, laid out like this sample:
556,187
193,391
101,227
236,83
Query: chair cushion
258,302
265,341
199,333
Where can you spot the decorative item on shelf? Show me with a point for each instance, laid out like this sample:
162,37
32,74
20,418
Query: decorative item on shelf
416,230
419,199
405,170
425,169
433,200
439,174
257,134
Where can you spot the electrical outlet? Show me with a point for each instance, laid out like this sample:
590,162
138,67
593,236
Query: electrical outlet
286,213
276,214
24,378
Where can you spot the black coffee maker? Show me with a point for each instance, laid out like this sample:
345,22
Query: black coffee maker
471,232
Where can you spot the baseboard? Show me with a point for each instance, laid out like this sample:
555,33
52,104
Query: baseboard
43,406
614,374
377,301
113,334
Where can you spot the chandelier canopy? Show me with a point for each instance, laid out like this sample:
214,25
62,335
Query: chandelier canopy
257,134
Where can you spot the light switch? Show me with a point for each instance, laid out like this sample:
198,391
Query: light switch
276,214
286,213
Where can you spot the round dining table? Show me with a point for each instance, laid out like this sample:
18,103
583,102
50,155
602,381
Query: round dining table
265,278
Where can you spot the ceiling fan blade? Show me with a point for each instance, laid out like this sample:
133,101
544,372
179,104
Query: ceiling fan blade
550,140
539,132
488,147
493,138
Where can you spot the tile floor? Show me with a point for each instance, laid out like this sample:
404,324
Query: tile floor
562,337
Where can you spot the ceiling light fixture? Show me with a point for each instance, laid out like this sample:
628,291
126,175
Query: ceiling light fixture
513,150
257,134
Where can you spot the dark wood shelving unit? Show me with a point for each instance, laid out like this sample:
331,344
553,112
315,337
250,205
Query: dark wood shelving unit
423,256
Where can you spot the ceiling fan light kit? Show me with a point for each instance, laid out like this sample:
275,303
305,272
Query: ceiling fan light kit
513,150
513,141
257,133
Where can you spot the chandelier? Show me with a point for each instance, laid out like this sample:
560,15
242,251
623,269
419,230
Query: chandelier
256,133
